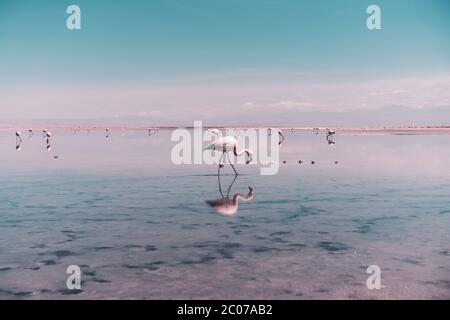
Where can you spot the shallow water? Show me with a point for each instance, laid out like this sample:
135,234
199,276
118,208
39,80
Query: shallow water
140,227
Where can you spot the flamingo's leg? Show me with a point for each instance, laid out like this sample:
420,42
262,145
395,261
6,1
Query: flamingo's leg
231,185
231,164
220,161
220,186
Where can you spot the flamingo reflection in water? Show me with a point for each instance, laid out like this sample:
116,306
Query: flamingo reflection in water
330,136
227,206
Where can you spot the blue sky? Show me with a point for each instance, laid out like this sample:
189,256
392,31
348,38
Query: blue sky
132,58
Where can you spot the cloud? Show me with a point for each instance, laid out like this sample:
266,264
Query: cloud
296,105
249,106
206,99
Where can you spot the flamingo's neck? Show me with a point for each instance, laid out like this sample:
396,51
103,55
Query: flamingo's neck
240,153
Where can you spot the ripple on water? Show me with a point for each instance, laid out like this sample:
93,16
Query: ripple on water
332,246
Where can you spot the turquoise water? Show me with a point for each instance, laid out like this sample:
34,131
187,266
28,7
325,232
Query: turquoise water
140,227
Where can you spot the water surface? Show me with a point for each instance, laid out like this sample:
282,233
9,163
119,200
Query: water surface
140,227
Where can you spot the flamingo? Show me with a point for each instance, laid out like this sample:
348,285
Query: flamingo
330,134
30,132
48,135
227,144
18,140
280,134
18,137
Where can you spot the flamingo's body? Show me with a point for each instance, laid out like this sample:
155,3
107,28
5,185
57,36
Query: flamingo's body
227,144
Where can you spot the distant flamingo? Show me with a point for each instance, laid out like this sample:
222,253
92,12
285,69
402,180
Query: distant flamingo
280,134
18,140
330,134
48,135
18,137
227,144
30,133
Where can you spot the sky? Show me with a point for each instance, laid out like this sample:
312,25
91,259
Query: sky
226,61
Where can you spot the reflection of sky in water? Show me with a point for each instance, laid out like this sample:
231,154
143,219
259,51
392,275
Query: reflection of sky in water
140,226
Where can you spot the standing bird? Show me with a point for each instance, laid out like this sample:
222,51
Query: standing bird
281,135
330,134
48,135
18,137
18,141
107,132
227,144
30,133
